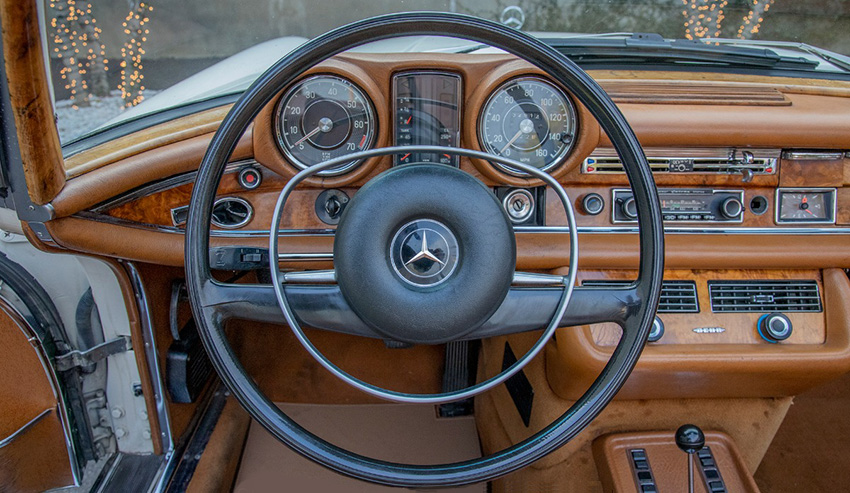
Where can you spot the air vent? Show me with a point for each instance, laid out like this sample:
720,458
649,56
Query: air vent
764,296
676,296
231,213
693,93
705,161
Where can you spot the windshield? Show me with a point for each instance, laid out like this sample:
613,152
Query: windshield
116,60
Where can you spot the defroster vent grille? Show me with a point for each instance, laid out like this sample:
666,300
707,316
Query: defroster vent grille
764,296
676,296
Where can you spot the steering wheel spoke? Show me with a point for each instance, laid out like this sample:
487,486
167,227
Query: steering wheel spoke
320,306
531,308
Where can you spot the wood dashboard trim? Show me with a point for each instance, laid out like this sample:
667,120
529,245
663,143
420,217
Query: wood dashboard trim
713,371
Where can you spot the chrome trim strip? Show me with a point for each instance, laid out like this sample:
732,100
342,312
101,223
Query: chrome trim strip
20,431
777,205
534,279
813,155
519,229
151,356
304,257
309,276
687,230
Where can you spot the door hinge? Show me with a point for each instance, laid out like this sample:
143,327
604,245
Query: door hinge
75,359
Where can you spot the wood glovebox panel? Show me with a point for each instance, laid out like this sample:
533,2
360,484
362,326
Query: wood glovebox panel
703,369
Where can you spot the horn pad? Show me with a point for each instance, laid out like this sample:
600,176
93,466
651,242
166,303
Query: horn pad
424,253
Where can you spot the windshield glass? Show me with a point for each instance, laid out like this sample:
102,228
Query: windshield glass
116,60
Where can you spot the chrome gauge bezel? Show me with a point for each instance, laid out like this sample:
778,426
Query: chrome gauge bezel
555,161
369,106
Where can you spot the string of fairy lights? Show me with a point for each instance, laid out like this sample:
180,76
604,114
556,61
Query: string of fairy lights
76,35
749,27
132,85
76,41
703,18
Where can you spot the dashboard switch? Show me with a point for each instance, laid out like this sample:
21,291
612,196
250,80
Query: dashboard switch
592,204
330,204
774,327
250,178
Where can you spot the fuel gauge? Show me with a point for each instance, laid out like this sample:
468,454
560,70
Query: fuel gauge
805,206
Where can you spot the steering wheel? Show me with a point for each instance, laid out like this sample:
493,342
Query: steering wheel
424,254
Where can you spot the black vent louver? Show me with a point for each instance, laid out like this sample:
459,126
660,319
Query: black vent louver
764,296
676,296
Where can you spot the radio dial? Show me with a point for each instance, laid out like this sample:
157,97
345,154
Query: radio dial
731,208
629,208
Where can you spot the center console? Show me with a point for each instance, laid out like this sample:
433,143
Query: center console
651,462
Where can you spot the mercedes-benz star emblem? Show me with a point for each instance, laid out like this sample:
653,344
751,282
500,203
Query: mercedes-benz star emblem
424,253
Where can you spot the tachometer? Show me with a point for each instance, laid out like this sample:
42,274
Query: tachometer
528,120
324,117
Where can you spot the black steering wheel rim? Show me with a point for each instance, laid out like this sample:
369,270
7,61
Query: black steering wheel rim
641,309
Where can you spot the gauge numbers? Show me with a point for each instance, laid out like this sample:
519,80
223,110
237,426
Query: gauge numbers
528,120
805,206
324,117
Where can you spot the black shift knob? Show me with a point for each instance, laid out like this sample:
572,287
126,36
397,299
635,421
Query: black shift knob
690,438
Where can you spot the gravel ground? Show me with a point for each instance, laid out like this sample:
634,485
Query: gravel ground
75,122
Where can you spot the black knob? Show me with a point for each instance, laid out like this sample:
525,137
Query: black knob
657,330
629,208
690,439
774,327
592,204
731,208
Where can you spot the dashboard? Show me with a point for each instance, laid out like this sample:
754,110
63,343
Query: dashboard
753,176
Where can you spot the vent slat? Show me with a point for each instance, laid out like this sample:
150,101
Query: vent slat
764,296
676,296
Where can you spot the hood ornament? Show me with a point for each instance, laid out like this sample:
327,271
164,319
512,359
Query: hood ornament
513,17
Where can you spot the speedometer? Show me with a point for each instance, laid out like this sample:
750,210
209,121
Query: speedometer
528,120
324,117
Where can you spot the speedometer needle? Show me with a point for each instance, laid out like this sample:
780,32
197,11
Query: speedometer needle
513,139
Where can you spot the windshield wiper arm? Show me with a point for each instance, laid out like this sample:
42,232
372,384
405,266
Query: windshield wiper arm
652,48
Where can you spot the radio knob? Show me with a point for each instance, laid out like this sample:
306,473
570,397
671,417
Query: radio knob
731,208
774,327
629,208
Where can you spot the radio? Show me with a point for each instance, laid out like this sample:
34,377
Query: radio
684,206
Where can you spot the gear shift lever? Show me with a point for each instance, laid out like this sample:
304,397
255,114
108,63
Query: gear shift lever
690,439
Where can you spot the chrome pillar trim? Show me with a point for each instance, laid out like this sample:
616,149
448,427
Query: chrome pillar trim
151,357
20,431
46,364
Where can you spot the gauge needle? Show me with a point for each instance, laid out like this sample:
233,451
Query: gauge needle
513,139
312,133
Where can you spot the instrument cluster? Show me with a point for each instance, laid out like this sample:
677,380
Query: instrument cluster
526,118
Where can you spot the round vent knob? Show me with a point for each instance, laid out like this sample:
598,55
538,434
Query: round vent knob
774,327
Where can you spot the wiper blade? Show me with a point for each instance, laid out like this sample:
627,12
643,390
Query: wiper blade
652,48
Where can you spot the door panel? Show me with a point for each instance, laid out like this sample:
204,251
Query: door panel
33,448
